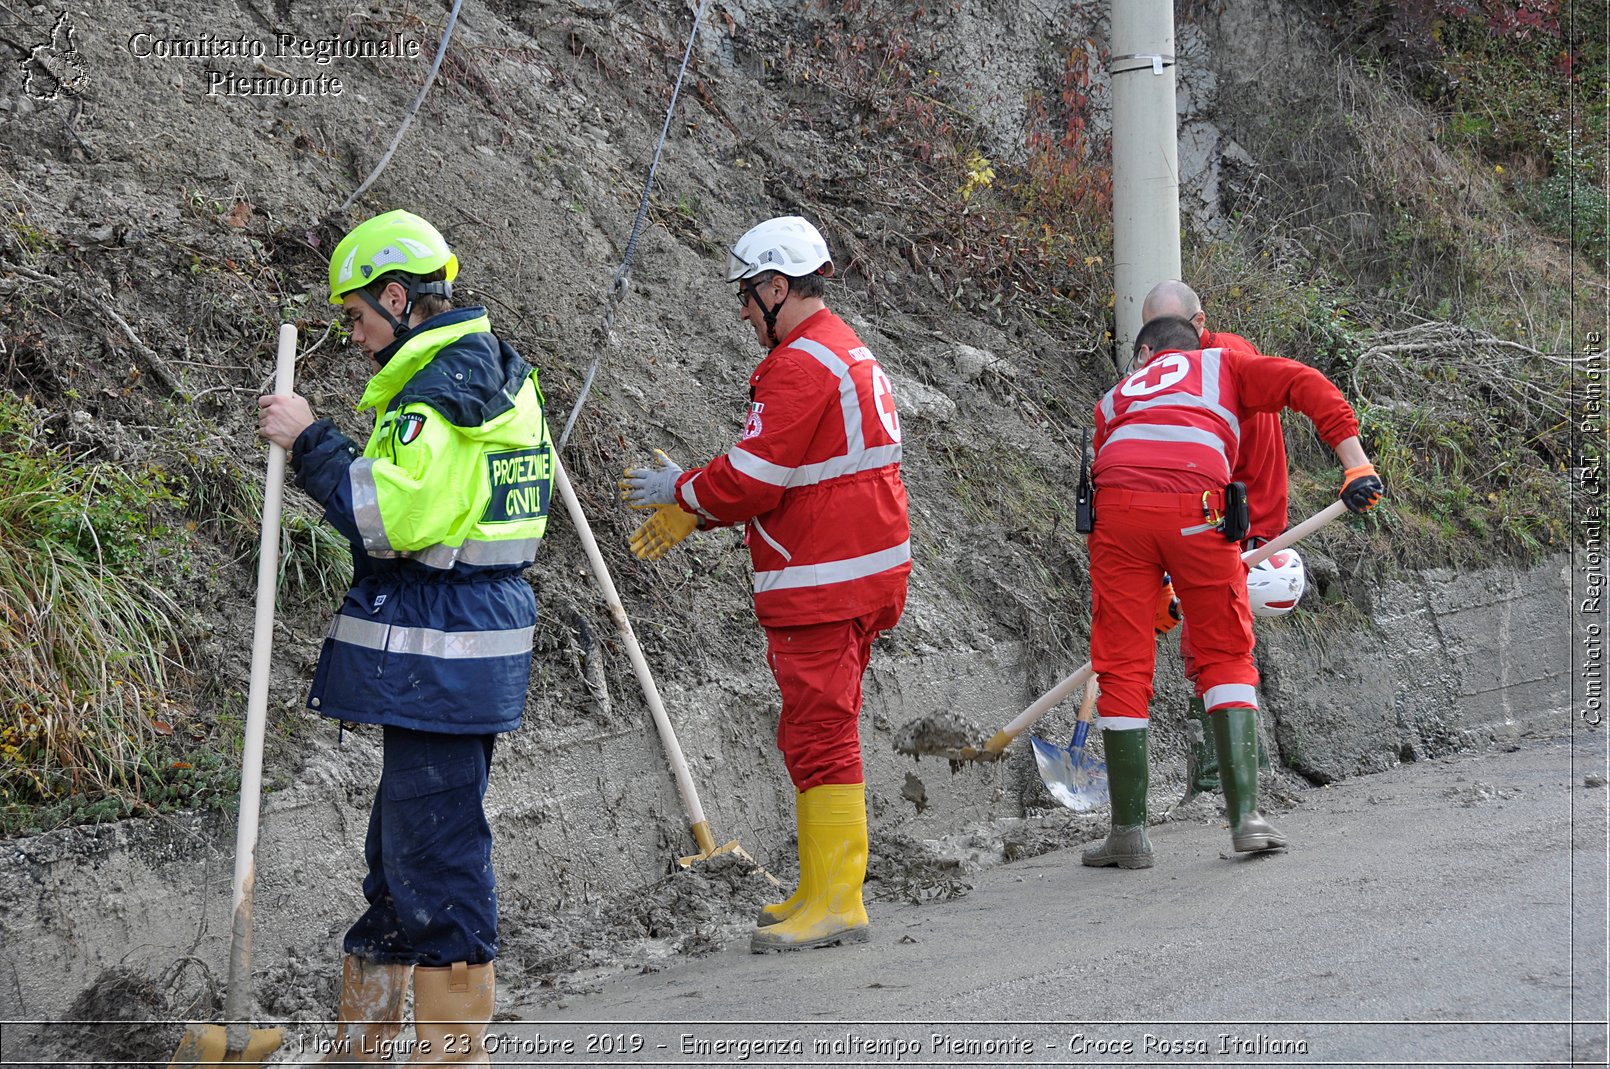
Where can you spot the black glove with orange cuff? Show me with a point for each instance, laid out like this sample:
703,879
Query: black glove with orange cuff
1361,488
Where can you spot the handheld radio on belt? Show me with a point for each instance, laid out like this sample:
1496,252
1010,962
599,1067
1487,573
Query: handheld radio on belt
1237,513
1084,514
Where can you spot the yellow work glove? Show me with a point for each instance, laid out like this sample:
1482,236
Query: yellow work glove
657,534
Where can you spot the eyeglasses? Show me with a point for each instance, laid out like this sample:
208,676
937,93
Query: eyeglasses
744,293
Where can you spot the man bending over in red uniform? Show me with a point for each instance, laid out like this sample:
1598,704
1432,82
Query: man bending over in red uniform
1166,442
1260,465
815,479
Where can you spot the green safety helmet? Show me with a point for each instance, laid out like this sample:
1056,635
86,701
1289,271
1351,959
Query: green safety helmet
397,241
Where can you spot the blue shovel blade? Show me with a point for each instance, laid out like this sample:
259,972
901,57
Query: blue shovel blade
1073,777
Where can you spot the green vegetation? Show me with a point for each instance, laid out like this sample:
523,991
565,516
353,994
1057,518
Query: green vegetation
1471,432
88,644
1518,83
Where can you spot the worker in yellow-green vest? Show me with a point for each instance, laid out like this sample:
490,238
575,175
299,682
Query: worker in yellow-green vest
444,508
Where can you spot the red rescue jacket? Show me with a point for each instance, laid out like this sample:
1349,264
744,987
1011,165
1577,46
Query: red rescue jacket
1261,459
816,480
1179,419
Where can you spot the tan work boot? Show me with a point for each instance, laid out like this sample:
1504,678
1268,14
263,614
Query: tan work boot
776,912
452,1006
832,867
370,1012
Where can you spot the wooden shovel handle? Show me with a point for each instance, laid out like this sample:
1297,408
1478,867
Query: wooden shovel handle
1087,704
1065,688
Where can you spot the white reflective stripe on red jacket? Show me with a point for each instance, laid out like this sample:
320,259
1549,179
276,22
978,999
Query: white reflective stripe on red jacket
1175,414
691,497
833,571
856,458
816,480
1148,432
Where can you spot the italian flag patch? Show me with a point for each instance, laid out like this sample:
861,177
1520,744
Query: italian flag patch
409,424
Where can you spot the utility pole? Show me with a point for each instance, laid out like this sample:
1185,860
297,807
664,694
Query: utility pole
1145,159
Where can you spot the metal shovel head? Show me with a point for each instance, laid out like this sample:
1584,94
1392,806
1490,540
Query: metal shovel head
207,1045
1073,777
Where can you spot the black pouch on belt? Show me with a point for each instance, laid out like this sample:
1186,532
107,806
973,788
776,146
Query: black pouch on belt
1084,501
1237,517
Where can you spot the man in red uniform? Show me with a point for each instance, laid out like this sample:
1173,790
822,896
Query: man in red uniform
1261,466
1166,441
815,479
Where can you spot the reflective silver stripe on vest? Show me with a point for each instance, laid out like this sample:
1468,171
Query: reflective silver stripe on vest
1108,409
1241,694
366,507
429,642
833,571
476,551
1147,432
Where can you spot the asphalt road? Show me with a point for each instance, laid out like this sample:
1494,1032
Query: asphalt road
1449,912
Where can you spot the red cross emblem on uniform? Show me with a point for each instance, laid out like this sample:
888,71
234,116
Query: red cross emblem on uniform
883,402
1157,376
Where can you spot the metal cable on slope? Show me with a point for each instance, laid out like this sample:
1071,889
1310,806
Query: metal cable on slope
430,80
617,285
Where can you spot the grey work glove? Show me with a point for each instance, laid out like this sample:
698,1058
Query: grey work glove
646,488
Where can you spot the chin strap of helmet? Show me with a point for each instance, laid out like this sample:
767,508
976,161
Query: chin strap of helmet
769,313
413,288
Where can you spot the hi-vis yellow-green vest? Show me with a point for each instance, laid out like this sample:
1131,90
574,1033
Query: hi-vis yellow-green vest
444,508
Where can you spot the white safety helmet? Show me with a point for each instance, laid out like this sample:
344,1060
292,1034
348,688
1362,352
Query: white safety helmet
787,244
1275,585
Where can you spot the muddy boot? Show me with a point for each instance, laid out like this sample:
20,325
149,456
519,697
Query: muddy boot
1127,779
832,866
774,912
370,1011
1235,731
1201,763
452,1006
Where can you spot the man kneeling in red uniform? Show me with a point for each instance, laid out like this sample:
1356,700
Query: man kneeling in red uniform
1166,441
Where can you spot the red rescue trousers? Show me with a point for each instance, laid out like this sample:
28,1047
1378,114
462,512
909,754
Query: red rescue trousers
1138,537
818,669
1187,651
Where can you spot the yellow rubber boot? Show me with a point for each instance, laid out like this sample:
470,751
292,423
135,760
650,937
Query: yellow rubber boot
452,1006
832,867
370,1012
775,912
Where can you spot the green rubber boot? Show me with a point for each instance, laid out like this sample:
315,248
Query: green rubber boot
1235,732
1126,845
1202,763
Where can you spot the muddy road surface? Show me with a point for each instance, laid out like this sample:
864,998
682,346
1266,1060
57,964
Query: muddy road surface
1446,912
